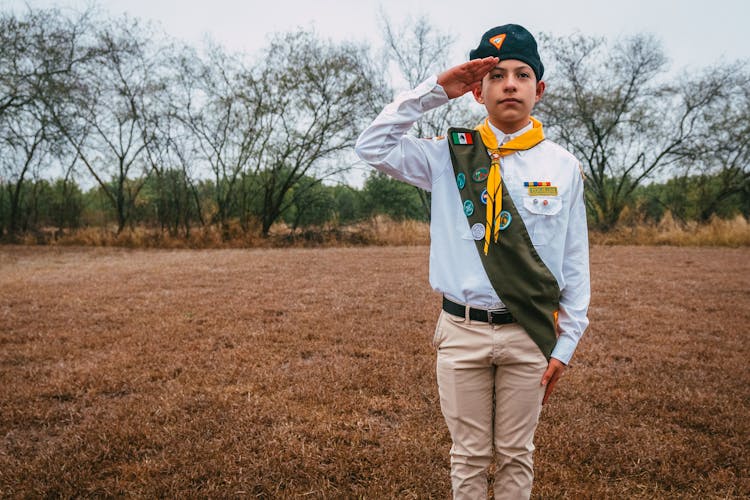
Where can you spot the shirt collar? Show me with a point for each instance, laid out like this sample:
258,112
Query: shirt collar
502,137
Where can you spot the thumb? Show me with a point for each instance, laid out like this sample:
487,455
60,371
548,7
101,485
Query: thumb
547,375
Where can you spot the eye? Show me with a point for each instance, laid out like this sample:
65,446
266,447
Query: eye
524,74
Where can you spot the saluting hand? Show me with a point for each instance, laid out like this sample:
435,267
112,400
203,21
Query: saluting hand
465,77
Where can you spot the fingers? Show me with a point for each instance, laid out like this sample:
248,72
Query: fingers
548,390
465,77
477,68
551,375
487,63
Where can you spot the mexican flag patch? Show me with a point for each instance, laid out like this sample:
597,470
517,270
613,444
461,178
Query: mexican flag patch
461,138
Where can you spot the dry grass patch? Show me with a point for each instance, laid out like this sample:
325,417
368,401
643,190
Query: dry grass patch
382,230
300,372
717,232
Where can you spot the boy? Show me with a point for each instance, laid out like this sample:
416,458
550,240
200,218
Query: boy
509,253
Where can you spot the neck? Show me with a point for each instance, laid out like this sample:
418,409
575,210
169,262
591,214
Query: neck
510,128
522,141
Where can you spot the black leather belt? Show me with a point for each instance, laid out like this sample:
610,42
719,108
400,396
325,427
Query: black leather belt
488,316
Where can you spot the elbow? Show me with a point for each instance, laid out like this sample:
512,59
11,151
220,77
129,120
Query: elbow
360,149
366,152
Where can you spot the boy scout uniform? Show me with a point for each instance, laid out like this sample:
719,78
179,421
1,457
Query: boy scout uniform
509,304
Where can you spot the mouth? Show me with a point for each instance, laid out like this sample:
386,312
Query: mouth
510,100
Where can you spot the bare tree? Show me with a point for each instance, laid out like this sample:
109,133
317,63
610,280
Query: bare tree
35,49
610,104
169,145
220,105
183,152
24,146
67,204
719,158
318,92
38,52
104,118
417,49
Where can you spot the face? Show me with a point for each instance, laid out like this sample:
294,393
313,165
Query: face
509,92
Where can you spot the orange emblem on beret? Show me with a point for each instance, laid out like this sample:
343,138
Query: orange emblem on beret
497,41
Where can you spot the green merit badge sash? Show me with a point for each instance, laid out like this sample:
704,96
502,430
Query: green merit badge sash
517,273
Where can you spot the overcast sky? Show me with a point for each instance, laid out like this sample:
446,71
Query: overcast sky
694,33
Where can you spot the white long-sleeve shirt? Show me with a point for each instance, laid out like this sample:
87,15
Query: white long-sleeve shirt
556,224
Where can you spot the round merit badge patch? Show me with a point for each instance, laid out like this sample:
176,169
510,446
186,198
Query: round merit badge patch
483,197
480,174
468,208
503,220
477,231
461,180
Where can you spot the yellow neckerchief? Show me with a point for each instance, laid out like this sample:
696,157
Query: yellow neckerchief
527,140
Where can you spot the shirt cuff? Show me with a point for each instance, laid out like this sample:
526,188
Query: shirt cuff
564,349
431,94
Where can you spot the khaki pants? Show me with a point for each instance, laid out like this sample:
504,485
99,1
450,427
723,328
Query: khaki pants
490,394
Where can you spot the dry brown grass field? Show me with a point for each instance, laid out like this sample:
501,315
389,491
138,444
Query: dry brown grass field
289,373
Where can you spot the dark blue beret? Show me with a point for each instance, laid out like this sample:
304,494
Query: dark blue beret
510,41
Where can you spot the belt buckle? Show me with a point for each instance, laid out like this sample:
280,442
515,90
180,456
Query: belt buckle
490,312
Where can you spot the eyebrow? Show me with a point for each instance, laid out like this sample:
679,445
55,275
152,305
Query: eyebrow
515,68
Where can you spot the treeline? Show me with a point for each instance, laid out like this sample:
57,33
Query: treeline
175,137
175,206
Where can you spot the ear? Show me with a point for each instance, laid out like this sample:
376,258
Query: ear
540,86
477,92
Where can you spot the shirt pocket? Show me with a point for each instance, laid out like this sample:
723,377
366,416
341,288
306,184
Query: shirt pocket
544,219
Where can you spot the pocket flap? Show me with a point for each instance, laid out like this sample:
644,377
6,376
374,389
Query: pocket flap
542,205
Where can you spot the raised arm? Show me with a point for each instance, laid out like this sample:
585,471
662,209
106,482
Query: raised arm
385,144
